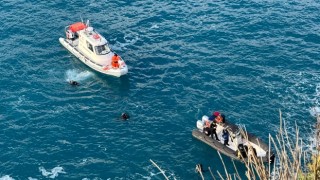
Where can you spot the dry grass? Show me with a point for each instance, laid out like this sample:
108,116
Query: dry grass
288,161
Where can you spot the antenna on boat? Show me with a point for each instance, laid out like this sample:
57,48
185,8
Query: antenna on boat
81,18
87,23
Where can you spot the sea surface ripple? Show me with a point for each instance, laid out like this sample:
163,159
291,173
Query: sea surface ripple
248,59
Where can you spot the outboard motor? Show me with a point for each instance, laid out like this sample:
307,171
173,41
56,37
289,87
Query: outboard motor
200,123
70,35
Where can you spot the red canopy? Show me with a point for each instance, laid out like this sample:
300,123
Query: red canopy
77,26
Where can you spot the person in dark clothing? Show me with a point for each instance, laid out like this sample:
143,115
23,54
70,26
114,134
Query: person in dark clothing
217,117
125,116
73,83
225,135
213,131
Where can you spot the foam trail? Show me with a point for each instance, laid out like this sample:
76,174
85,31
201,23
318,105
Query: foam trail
75,75
315,111
154,26
130,39
6,177
54,172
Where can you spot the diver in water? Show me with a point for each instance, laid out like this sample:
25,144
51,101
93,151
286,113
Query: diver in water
125,116
73,83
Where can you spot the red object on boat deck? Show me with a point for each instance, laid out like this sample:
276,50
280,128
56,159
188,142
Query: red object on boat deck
115,61
77,26
115,64
115,58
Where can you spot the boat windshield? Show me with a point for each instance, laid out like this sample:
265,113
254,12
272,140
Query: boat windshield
103,49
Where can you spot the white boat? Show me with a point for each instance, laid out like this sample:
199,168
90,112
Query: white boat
92,49
239,147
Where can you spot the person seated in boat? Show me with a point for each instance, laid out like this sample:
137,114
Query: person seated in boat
115,61
225,135
206,128
220,118
217,117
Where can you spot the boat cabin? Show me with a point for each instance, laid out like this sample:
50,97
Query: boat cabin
93,42
89,42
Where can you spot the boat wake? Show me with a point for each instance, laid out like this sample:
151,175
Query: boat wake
76,75
6,177
315,111
129,40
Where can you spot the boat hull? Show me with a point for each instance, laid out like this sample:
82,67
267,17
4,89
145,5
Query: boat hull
230,150
214,144
86,60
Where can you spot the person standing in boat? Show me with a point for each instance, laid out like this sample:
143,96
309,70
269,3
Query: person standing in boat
225,135
210,128
115,61
213,130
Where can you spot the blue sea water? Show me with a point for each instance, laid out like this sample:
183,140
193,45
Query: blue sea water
247,59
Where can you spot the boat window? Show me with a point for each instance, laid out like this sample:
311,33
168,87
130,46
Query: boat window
89,46
103,49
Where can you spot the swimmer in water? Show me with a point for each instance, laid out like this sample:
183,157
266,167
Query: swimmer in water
73,83
125,116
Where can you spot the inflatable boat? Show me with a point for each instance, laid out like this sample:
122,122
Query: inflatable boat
241,145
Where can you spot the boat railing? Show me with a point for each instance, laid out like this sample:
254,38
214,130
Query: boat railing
86,59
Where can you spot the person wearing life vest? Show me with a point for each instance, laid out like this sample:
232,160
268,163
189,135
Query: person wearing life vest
217,117
115,61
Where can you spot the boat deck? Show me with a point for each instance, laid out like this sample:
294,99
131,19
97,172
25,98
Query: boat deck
215,144
228,150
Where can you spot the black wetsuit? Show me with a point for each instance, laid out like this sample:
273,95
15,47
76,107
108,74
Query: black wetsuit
213,128
74,83
125,116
